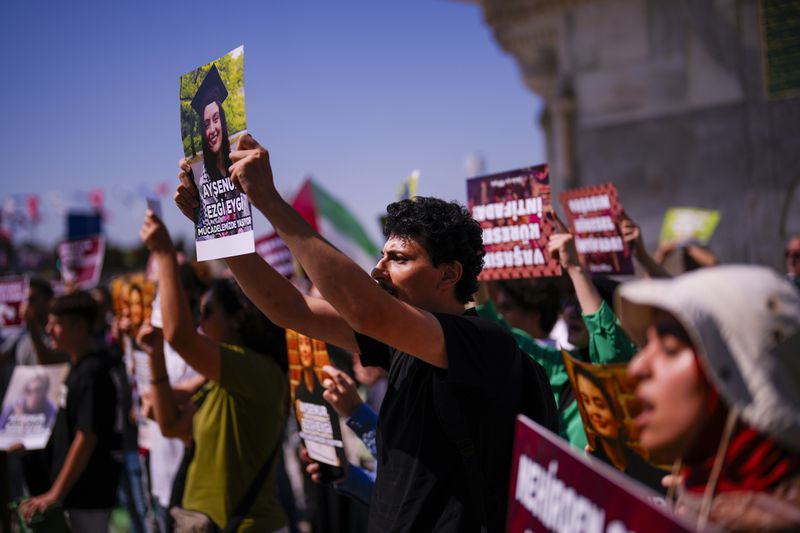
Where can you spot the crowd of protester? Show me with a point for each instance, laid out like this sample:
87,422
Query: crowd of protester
428,360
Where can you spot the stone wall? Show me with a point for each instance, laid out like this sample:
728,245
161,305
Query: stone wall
665,98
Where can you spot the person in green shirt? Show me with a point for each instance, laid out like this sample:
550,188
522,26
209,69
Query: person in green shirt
604,343
244,402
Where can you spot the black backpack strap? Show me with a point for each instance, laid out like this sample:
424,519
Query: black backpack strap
455,427
241,510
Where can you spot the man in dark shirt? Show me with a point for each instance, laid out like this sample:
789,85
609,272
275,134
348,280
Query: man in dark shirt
84,472
442,365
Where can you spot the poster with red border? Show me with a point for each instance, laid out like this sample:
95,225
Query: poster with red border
82,261
513,211
554,489
12,293
592,215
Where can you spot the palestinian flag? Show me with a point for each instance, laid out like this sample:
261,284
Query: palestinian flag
333,221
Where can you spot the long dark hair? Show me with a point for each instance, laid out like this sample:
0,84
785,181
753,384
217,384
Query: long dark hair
622,434
209,158
255,329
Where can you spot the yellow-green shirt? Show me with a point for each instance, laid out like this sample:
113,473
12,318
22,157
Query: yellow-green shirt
236,428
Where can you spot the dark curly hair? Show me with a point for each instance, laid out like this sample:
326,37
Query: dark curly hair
446,231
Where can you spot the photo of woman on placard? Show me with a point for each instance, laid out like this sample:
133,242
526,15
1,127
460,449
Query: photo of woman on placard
603,419
216,145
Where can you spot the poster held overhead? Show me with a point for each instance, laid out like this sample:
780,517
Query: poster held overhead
593,214
514,210
212,119
683,225
82,261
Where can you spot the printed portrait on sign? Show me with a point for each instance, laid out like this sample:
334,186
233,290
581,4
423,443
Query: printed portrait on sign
608,408
212,119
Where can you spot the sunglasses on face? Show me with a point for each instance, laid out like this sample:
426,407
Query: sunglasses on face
793,255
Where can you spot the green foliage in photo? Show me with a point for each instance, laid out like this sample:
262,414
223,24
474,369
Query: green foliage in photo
231,70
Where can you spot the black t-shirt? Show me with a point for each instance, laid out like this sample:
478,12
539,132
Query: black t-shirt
422,484
90,407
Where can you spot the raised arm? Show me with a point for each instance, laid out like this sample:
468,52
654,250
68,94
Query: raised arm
198,351
632,234
562,246
356,297
271,292
173,421
286,306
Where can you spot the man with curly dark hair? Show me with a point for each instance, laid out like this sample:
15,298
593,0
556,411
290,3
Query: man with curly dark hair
450,372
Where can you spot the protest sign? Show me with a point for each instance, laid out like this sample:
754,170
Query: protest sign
154,205
513,208
82,261
212,119
319,423
13,290
274,251
689,224
592,215
30,405
555,489
132,300
608,406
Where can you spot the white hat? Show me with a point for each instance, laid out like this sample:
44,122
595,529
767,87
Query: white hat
745,323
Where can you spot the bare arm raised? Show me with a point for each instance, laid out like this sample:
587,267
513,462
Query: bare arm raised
357,298
273,294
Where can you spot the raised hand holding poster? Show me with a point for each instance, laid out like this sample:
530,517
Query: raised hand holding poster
513,210
592,214
212,119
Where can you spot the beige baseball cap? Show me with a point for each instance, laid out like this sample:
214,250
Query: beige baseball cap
745,323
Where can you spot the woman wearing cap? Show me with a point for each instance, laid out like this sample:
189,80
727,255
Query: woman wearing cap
719,379
207,103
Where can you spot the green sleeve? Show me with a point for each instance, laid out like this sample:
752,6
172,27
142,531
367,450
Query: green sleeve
607,342
547,356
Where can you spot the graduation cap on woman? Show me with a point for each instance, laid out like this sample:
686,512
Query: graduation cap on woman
211,90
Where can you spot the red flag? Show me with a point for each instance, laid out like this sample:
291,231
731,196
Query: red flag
33,208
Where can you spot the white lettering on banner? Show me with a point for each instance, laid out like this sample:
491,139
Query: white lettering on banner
217,187
554,504
519,233
512,209
594,224
513,258
591,245
588,204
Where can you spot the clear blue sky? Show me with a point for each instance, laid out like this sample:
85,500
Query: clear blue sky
355,93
